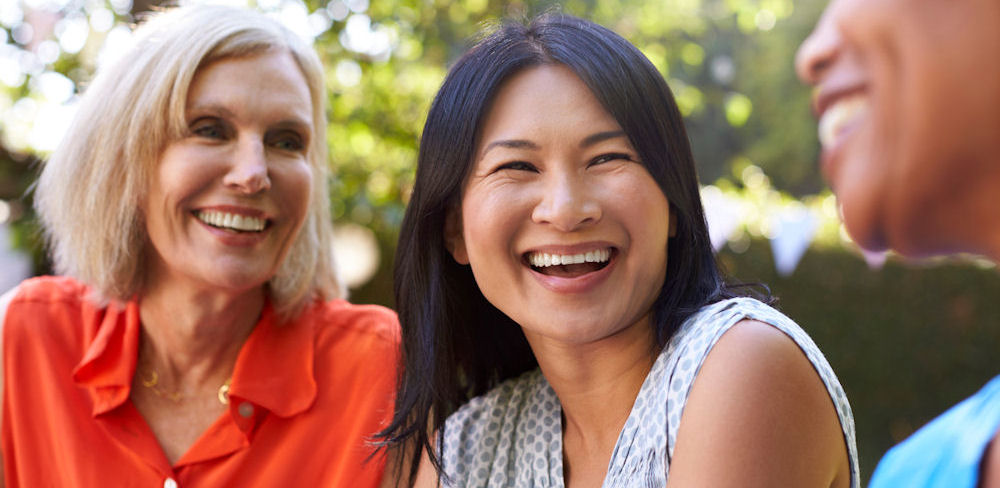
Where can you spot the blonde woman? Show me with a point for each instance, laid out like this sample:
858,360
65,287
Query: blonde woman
195,336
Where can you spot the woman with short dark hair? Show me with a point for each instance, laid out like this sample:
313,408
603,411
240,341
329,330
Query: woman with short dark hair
908,97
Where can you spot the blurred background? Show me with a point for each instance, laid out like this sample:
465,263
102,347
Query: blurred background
907,339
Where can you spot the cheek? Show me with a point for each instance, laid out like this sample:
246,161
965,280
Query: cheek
490,227
181,174
162,201
296,188
640,202
860,184
950,92
152,214
652,246
644,209
490,223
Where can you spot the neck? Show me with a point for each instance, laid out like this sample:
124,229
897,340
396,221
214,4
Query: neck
597,383
192,337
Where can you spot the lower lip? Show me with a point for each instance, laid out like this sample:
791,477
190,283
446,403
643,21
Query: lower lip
578,284
240,239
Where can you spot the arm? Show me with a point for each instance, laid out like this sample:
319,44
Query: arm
759,415
5,300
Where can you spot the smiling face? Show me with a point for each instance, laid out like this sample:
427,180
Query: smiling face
908,95
564,228
228,199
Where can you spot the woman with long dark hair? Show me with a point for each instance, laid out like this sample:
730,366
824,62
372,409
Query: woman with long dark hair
564,320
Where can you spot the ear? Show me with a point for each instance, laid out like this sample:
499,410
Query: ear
454,240
672,231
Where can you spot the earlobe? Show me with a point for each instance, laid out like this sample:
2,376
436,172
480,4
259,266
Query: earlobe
454,241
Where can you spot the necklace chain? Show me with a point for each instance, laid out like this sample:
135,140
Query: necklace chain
153,381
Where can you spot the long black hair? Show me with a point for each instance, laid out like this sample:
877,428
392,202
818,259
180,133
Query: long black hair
456,345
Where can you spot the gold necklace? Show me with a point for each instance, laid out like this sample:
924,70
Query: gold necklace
152,383
224,392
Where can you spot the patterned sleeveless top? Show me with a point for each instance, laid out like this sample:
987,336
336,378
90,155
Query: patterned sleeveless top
512,435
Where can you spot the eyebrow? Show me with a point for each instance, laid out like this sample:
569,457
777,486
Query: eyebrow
601,137
210,109
511,144
295,124
219,110
526,144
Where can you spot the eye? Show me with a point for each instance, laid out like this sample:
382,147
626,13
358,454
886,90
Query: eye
516,166
209,128
288,141
604,158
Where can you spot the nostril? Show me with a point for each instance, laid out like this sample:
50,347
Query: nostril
818,52
248,181
809,62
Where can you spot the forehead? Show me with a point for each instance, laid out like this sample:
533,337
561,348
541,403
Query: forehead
269,80
545,100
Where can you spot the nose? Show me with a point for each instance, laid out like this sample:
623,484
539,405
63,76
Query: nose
819,51
567,203
248,172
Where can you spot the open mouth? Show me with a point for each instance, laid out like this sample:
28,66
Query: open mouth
569,265
229,222
840,117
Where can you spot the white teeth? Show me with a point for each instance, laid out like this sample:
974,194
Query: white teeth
840,115
231,221
544,260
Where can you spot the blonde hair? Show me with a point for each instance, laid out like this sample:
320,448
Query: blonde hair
89,192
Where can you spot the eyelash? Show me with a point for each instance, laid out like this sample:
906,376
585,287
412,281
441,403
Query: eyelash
215,129
289,137
525,166
517,166
201,127
604,158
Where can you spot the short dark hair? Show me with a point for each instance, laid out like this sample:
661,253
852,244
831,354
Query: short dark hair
456,345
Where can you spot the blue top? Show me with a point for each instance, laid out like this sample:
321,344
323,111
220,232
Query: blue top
946,452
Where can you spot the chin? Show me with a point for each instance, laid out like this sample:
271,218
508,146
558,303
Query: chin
864,224
913,235
239,281
880,234
918,237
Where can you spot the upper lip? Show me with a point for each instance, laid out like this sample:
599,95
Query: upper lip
827,95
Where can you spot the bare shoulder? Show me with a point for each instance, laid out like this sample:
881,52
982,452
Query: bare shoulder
759,415
751,343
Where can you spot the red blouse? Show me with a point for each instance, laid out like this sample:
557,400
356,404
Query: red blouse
304,398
